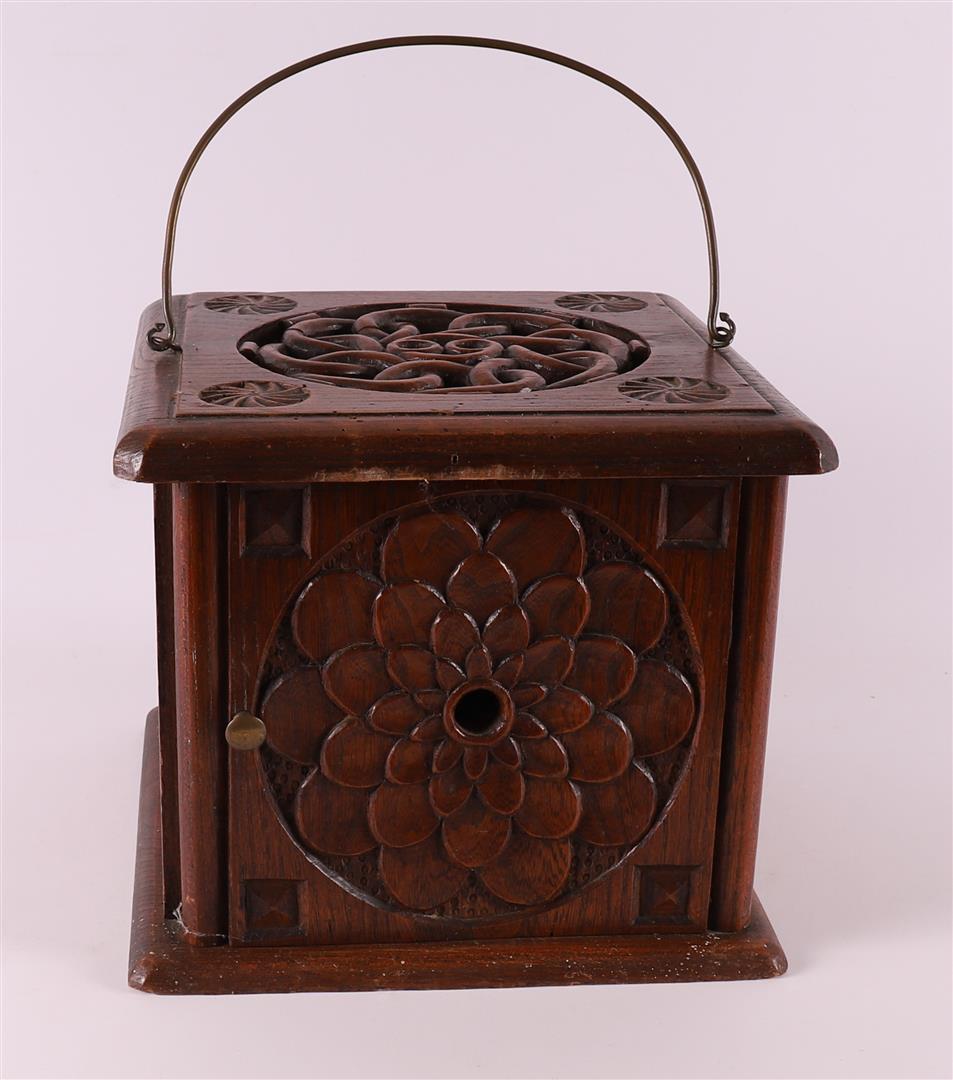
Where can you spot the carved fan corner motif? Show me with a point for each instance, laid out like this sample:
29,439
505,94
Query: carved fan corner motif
674,390
254,394
592,301
250,303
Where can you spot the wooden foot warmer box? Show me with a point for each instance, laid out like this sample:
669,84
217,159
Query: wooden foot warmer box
466,608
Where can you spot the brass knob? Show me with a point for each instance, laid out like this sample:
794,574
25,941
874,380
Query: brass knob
245,732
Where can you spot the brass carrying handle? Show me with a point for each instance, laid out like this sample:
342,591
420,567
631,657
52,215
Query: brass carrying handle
719,335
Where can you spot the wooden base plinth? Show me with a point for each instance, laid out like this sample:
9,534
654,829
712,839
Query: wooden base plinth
161,962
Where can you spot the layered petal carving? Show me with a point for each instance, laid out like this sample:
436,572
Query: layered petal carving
427,548
659,708
603,670
547,661
331,818
531,871
627,603
449,790
475,835
546,758
353,755
396,713
421,876
298,714
349,596
551,808
401,814
481,585
413,668
404,614
516,541
453,635
600,750
477,696
619,812
506,632
502,788
563,709
357,677
408,762
557,605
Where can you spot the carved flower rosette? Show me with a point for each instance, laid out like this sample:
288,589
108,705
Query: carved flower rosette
478,705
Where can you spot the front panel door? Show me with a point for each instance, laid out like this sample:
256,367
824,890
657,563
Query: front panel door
492,711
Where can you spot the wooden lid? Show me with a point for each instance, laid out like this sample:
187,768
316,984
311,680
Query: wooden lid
387,385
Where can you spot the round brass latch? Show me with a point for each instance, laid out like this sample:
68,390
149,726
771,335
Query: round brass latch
245,732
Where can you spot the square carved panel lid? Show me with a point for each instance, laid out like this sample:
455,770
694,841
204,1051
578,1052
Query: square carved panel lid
310,386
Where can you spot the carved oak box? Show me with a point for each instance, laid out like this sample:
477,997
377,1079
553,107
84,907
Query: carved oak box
466,607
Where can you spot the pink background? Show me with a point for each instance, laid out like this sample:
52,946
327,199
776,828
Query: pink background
823,131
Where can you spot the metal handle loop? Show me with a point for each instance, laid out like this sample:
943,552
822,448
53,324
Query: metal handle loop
719,335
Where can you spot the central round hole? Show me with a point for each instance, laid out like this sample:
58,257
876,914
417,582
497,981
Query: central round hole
477,711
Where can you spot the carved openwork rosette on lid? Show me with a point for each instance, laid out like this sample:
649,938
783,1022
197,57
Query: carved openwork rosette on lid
439,348
475,710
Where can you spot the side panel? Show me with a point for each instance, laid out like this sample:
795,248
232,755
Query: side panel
198,552
761,530
165,638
